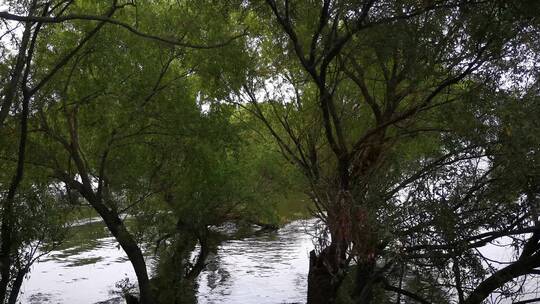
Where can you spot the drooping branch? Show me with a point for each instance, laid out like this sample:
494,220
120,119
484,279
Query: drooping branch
109,20
65,60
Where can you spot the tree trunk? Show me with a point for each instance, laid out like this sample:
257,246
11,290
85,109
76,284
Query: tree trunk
5,248
6,229
110,216
19,279
364,281
201,259
116,227
136,258
133,251
325,275
123,237
321,289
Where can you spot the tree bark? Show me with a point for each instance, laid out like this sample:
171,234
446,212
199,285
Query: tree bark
16,287
109,215
364,281
119,231
6,229
321,288
326,271
130,246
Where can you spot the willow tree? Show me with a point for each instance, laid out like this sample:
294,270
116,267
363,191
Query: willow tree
474,228
19,88
345,85
65,101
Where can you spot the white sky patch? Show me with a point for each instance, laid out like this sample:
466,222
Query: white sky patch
277,88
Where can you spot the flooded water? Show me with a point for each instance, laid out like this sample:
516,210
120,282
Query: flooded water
84,270
271,268
268,268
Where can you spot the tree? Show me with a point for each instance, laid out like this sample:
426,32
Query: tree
342,89
38,215
62,112
17,95
393,112
489,197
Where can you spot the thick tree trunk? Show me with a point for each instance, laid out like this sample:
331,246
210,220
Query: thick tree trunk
326,271
5,247
201,259
110,216
121,234
119,231
321,287
6,229
136,258
131,299
117,228
364,282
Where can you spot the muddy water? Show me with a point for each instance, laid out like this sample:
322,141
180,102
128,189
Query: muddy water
268,268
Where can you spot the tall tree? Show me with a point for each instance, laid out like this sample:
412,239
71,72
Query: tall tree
65,107
17,95
343,86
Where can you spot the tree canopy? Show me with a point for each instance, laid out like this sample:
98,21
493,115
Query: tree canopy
408,128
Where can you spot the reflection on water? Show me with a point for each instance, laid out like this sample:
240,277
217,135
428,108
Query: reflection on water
84,277
84,269
269,268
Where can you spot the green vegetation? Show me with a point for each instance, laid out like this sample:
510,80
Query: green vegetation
409,128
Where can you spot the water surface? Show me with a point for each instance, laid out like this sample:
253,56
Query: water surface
268,268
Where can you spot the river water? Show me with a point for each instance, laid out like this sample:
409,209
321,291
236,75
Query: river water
268,268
